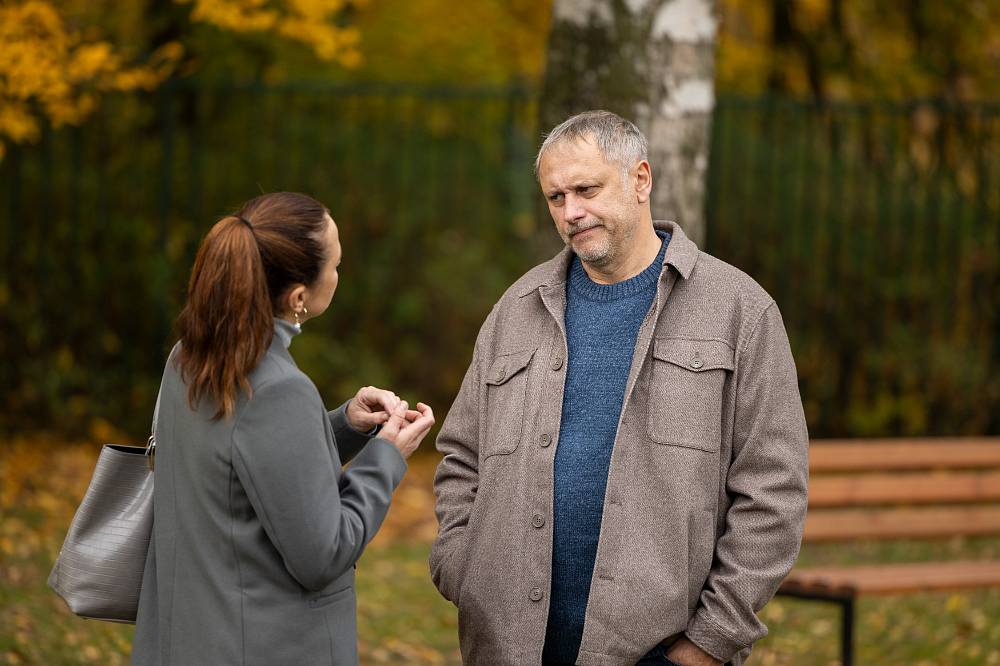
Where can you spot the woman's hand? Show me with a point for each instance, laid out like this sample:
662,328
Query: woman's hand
407,427
371,407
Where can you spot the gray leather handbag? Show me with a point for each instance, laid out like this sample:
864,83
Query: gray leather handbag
99,569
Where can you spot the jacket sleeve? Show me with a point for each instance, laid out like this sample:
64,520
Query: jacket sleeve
767,484
318,517
456,481
349,440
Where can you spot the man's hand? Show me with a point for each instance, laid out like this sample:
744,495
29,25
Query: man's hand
371,407
686,653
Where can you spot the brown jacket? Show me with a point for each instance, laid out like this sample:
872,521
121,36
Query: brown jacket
706,491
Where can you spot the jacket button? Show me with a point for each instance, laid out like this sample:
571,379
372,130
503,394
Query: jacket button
696,363
545,439
501,373
557,362
538,520
535,594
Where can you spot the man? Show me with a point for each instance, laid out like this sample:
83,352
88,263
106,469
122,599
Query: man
624,472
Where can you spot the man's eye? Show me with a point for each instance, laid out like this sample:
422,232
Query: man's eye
556,198
586,189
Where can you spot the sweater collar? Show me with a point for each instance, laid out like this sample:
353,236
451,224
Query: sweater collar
582,284
284,331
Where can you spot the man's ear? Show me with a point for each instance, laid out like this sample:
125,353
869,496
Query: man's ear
642,177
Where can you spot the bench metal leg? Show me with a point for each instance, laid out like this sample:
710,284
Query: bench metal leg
846,602
847,631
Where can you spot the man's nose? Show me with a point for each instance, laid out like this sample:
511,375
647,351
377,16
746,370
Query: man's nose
573,210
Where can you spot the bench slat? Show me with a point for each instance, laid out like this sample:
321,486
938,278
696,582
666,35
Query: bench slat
846,524
904,488
894,578
883,455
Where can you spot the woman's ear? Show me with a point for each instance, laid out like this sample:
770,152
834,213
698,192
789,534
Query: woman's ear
294,300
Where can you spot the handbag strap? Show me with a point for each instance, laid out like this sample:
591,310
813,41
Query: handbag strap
151,442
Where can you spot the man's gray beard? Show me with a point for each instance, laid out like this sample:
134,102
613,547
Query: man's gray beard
598,256
601,256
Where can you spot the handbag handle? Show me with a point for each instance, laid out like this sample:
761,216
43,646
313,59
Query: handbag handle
151,442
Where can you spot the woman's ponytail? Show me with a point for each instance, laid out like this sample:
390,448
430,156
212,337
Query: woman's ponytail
243,267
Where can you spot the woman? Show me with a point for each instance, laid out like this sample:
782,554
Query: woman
257,527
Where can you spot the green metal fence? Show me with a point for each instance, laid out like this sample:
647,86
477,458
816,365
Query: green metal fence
875,228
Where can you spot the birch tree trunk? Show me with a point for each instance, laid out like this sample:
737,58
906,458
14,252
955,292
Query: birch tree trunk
653,62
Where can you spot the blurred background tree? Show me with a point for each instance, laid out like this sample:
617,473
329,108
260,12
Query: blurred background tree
51,70
58,58
654,63
861,49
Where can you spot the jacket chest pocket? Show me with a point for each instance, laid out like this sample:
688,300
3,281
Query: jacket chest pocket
685,391
506,389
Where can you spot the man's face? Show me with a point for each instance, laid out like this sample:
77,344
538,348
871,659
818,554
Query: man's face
592,208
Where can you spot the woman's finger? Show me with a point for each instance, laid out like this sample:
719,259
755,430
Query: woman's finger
425,411
396,421
423,423
377,399
366,421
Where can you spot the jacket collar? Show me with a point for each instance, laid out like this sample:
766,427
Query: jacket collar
682,254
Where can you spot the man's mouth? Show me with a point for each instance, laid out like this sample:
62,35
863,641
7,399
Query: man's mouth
578,232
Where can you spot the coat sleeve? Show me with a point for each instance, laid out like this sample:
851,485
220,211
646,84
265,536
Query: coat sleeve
349,440
767,484
456,481
318,517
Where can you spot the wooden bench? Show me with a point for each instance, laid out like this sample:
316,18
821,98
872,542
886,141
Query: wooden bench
897,489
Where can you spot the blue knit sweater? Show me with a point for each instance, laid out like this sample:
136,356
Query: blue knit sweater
602,322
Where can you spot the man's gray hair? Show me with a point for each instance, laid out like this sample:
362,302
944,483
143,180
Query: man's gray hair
618,139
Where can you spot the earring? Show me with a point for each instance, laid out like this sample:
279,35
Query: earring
298,324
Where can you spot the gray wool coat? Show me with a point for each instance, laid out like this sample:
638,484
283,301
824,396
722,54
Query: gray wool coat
257,527
706,492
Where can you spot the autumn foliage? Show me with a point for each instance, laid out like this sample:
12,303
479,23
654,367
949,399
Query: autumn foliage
48,68
57,59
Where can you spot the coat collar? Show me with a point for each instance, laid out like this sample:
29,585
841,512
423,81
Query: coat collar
682,254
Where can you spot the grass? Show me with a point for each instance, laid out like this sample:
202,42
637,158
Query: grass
401,617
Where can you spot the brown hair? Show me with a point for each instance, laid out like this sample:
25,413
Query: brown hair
246,263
